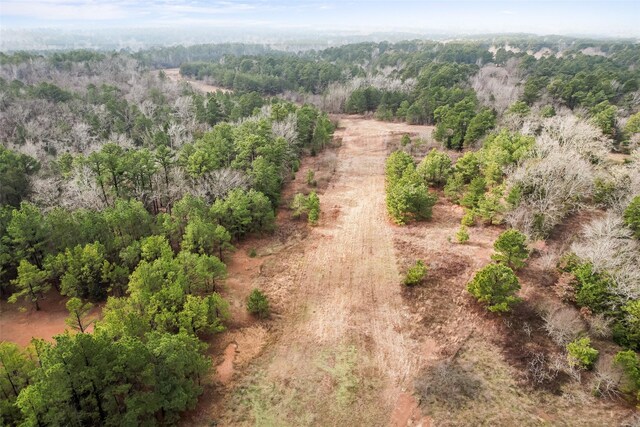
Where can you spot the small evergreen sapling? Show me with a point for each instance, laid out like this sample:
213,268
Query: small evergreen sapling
581,354
495,285
511,249
416,273
258,304
462,236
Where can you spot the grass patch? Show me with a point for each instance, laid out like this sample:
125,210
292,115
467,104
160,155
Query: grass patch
334,388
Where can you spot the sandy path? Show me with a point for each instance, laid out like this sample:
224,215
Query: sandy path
174,74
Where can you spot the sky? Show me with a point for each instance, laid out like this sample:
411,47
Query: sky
595,17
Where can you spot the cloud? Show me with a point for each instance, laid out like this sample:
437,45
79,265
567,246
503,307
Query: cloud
103,10
63,10
594,16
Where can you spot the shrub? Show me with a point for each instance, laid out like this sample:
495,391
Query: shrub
629,362
511,248
462,236
405,140
258,304
581,354
495,285
311,182
592,289
416,273
632,216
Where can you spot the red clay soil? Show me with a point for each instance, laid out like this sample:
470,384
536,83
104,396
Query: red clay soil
20,322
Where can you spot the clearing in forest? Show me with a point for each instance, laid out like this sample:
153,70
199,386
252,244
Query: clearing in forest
343,352
347,343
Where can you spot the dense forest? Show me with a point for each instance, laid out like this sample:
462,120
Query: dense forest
122,187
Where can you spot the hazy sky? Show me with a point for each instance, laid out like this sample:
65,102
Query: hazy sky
603,17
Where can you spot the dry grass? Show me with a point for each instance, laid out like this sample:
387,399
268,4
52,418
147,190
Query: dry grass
446,383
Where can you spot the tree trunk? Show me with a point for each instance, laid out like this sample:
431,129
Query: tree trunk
34,297
79,323
13,386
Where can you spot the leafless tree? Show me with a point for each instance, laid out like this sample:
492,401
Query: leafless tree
542,368
568,131
178,134
448,382
606,379
599,325
563,325
286,129
609,246
337,93
557,181
498,87
219,182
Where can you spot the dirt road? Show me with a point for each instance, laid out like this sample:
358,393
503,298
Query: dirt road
174,74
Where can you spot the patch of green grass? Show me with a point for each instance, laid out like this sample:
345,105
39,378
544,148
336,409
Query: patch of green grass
333,388
343,372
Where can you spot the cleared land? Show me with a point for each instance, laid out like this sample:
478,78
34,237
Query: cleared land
342,349
174,74
347,343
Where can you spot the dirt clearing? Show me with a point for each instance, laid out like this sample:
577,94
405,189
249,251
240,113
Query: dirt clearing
174,74
20,322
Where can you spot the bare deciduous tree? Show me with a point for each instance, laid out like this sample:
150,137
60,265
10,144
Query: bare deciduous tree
609,246
498,87
606,379
563,325
219,182
554,180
